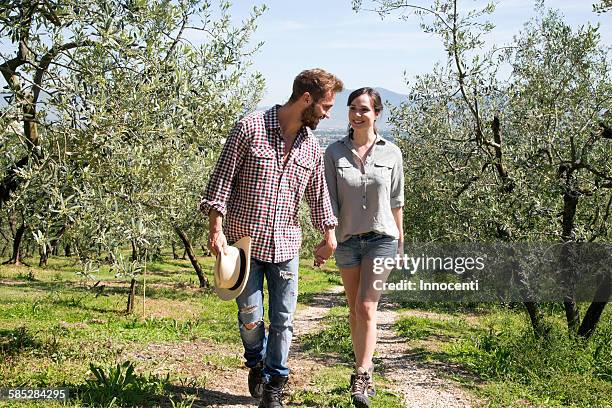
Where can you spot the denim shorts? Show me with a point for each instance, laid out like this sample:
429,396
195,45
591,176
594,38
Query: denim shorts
371,245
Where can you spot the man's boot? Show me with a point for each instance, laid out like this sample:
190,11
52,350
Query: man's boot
256,380
273,392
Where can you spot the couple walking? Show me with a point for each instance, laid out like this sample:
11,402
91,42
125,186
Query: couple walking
355,193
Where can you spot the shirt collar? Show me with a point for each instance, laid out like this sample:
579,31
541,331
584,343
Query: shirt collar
379,140
272,123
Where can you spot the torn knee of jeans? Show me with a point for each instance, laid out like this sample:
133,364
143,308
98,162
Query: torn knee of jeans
251,326
248,309
287,274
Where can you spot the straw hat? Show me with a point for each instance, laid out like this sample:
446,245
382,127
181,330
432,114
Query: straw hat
232,270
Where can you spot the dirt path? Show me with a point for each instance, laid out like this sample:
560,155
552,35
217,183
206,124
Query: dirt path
419,385
225,384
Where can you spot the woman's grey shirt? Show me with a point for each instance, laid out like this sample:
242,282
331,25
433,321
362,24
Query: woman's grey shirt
362,199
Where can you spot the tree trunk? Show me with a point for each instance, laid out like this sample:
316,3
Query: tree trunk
174,254
591,318
572,314
194,261
537,319
43,255
51,247
16,257
131,296
134,251
10,182
27,101
533,310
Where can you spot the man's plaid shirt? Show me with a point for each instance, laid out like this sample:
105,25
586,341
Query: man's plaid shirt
260,198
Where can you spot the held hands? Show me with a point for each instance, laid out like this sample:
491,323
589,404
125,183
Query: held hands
326,248
217,242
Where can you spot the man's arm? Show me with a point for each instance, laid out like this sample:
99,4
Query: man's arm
214,201
216,238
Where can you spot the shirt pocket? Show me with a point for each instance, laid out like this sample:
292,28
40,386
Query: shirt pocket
262,152
261,163
347,174
382,173
302,172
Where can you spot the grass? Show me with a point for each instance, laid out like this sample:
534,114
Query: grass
54,323
510,366
334,338
330,389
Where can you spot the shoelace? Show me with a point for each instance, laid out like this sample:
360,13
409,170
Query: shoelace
361,383
277,392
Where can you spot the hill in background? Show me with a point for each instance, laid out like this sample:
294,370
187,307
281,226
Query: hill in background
339,114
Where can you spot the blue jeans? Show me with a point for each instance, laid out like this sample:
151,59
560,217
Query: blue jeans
272,348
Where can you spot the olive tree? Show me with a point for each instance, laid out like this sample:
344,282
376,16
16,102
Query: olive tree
135,127
519,158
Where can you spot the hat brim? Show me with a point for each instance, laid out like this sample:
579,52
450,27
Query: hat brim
229,294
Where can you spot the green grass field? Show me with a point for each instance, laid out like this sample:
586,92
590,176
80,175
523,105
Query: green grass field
54,323
507,367
58,330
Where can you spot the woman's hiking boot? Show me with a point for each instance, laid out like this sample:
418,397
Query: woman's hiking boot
360,384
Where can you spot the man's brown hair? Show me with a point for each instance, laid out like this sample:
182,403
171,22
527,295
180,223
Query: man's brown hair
316,82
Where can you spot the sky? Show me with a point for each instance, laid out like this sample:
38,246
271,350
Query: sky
365,50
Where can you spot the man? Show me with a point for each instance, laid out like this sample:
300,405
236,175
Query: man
269,162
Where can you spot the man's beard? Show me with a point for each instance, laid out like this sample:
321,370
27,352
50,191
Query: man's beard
310,117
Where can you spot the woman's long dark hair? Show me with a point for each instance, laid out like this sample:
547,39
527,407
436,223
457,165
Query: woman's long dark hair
374,97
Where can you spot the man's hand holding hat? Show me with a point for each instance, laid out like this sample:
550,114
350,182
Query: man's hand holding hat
216,238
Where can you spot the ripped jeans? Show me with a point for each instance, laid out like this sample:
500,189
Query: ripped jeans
273,347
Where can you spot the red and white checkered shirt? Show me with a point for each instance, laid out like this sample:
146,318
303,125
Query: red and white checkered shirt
260,198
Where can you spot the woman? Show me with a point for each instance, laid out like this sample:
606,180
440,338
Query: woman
366,185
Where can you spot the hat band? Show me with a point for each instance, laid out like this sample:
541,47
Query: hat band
242,270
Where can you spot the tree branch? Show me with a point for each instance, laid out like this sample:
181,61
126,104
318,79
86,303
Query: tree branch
8,69
178,37
390,8
596,172
46,60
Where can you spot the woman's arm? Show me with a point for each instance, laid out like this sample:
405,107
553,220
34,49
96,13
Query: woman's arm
399,221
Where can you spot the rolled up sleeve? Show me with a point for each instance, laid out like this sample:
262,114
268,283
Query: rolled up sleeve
222,178
318,199
397,182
